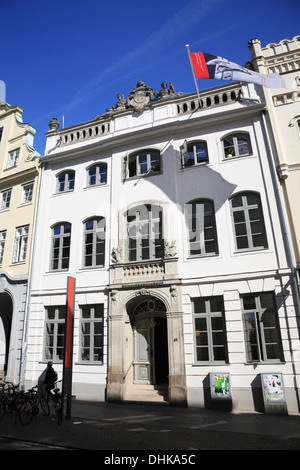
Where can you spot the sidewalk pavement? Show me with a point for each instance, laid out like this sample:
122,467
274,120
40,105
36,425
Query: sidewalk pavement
138,426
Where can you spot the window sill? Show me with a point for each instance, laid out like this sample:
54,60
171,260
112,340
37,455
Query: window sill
144,175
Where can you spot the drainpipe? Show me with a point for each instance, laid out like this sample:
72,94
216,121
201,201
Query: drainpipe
28,297
288,245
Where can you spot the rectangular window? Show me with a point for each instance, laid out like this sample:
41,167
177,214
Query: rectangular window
13,158
20,244
91,333
27,191
5,199
2,244
1,132
262,334
54,333
209,328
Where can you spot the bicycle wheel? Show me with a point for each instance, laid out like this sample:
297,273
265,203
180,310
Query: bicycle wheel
25,413
45,406
59,412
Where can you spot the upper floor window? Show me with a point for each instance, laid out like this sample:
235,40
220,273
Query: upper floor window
5,199
65,181
262,332
144,233
60,249
2,244
143,162
201,224
193,153
20,248
97,174
13,158
237,145
1,132
248,221
94,242
27,192
209,328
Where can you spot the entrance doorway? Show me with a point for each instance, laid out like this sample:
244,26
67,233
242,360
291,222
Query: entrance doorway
150,343
6,308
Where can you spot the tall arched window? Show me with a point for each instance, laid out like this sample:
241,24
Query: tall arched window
60,246
201,225
94,242
248,222
144,233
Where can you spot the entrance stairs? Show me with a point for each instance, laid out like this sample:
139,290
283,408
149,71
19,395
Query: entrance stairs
157,394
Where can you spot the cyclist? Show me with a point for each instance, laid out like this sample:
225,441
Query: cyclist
50,378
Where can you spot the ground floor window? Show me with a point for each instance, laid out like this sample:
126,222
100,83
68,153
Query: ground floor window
91,332
209,329
54,333
262,334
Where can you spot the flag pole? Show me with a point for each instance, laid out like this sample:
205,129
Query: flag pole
195,80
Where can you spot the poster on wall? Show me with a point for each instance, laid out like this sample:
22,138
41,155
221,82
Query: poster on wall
273,389
220,385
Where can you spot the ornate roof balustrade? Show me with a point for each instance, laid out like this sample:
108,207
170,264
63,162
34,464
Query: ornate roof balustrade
210,99
86,131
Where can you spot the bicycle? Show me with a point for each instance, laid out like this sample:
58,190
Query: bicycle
57,399
12,401
38,399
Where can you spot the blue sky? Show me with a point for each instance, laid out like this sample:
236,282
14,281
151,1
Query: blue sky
70,58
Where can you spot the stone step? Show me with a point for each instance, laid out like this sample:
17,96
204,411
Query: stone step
147,393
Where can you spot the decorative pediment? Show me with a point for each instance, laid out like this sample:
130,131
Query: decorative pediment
142,96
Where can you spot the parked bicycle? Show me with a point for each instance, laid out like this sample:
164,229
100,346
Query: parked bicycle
38,399
57,399
15,401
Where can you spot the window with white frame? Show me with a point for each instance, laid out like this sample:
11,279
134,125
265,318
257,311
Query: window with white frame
13,158
54,333
1,132
65,181
2,244
60,246
201,225
144,233
237,145
20,247
144,162
97,174
248,221
5,199
94,242
262,333
27,193
194,153
91,332
209,329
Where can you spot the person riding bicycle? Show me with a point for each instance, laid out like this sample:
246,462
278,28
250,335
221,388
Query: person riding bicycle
50,378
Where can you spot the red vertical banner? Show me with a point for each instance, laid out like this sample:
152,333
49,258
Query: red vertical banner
68,346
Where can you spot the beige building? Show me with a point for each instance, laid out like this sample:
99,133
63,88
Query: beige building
284,119
19,178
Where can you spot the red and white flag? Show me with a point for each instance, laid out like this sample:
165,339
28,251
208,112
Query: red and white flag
213,66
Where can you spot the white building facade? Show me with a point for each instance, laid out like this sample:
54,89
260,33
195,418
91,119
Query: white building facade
165,214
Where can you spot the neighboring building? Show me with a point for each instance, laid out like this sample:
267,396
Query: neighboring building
167,217
19,178
284,122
